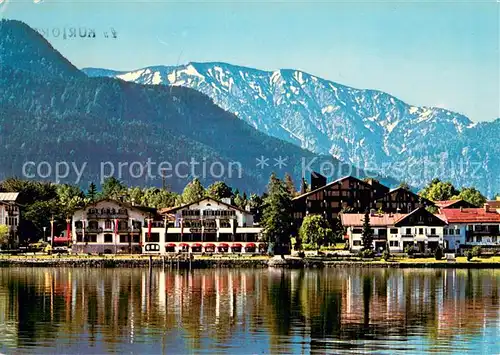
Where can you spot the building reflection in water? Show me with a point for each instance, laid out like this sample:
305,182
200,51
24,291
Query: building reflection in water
263,310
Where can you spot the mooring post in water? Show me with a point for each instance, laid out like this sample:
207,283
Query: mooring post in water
163,261
150,261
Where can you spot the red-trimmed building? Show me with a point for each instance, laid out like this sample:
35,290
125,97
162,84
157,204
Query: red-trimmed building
207,225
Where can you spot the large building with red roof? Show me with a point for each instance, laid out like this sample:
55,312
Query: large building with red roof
472,226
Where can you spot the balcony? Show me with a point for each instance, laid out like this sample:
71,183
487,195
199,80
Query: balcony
106,215
433,236
406,236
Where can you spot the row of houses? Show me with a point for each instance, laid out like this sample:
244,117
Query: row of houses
399,218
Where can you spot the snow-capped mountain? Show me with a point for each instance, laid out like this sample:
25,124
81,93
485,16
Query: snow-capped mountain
367,128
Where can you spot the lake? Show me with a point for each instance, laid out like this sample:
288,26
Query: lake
249,311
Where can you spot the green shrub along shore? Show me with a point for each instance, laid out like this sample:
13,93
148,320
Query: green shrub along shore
203,262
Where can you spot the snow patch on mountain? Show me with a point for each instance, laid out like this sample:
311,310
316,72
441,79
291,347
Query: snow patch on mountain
367,128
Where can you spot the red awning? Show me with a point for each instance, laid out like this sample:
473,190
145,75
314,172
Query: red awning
184,245
61,240
209,245
196,245
236,245
223,245
170,245
250,245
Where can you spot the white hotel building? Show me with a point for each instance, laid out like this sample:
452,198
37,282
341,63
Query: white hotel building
420,229
207,225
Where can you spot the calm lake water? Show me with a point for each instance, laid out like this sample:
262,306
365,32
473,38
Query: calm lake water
249,311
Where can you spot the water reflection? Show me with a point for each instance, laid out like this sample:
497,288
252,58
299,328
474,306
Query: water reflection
249,311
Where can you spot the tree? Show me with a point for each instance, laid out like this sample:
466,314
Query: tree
314,230
367,235
471,195
113,188
4,235
256,207
193,191
219,190
438,190
70,198
290,186
240,201
92,193
277,219
338,230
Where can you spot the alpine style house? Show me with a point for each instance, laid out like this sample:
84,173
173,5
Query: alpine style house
399,218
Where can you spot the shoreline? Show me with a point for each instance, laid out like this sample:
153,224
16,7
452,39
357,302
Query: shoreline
207,263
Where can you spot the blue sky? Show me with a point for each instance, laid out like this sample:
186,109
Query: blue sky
433,53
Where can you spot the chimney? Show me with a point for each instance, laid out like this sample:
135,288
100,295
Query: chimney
461,208
487,207
303,186
317,180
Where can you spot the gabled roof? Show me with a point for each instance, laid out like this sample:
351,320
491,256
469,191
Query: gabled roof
174,209
378,220
471,215
330,184
397,189
451,203
8,196
422,209
494,204
381,220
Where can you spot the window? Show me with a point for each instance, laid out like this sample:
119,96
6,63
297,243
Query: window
92,238
107,224
445,231
357,231
394,231
155,238
420,231
123,238
108,238
457,231
152,247
433,231
408,231
393,243
356,243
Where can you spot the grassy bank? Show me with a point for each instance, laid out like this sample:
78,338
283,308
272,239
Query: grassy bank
249,261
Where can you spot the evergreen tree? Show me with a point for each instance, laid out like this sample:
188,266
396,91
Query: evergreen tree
193,191
338,230
219,190
92,192
113,188
256,207
290,186
277,218
367,235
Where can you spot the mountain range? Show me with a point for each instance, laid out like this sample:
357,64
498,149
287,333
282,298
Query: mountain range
367,128
52,112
